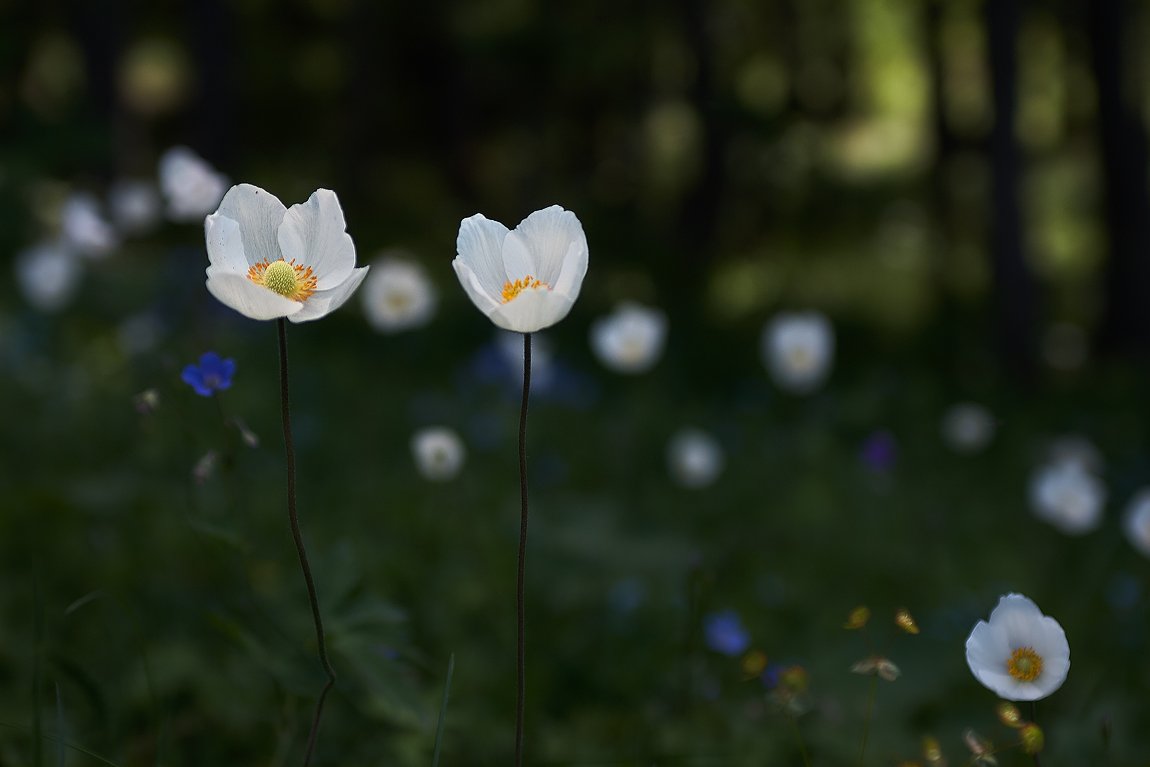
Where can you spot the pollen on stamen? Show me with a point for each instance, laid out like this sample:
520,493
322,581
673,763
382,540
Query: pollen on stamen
513,289
1025,664
288,279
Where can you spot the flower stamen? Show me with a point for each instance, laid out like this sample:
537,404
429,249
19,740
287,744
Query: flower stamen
1025,664
288,279
513,289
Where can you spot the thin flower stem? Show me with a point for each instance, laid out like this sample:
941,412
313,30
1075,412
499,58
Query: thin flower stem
293,518
866,722
521,639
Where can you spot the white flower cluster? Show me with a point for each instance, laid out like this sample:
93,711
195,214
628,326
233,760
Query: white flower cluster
49,272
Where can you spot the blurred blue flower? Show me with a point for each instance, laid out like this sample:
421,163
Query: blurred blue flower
879,452
213,374
725,634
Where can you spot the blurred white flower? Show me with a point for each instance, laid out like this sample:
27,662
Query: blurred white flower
527,279
798,350
439,453
967,427
398,295
1020,654
267,261
135,206
630,339
694,458
192,187
1136,521
1067,496
48,275
84,228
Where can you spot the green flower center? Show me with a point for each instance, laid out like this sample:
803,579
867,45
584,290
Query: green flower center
280,277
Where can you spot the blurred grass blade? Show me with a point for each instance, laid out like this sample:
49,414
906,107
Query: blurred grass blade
62,741
443,711
61,751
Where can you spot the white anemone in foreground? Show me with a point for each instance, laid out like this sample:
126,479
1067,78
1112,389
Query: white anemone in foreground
268,261
524,279
1019,654
630,339
798,349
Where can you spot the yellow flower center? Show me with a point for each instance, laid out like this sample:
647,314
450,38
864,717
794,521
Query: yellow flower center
513,289
1025,664
290,280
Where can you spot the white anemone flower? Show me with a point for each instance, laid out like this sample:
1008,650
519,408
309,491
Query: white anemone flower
695,458
192,187
267,261
630,339
526,279
1136,522
439,453
84,228
798,349
48,275
967,427
398,295
1020,654
1067,496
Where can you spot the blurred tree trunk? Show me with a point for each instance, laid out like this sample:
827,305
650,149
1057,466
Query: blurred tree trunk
1126,321
946,145
1014,288
98,29
700,210
213,113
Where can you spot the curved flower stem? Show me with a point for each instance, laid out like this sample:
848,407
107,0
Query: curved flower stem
293,518
521,644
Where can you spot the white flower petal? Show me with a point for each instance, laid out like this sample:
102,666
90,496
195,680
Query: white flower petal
479,246
574,269
225,246
553,235
986,648
250,299
519,262
531,310
474,288
323,302
314,234
259,215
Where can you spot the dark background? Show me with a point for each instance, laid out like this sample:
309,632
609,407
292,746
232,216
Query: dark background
960,186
